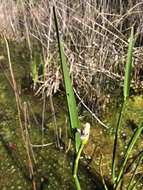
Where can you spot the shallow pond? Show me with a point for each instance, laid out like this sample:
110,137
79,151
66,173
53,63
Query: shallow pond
52,165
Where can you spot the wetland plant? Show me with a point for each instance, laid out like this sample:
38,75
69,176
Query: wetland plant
37,69
128,69
84,136
71,102
117,179
80,139
126,90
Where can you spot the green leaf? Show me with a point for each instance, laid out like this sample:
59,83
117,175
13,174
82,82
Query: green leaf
77,141
71,102
128,68
128,151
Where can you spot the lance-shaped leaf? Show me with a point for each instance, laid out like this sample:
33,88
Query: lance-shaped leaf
73,114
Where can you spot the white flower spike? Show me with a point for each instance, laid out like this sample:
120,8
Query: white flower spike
84,136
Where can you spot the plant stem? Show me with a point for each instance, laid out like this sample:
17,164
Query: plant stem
116,141
130,146
77,183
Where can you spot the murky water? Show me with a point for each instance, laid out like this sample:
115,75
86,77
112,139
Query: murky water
52,166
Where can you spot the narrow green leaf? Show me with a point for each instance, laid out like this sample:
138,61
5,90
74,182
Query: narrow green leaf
128,151
139,158
116,141
128,68
126,90
73,114
78,141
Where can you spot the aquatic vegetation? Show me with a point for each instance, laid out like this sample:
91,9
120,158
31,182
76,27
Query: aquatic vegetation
73,114
84,136
118,178
126,90
130,146
37,68
87,51
71,102
128,69
47,161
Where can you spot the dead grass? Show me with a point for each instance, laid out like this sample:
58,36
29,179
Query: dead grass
95,35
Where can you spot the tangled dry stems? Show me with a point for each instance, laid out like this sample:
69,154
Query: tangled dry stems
95,35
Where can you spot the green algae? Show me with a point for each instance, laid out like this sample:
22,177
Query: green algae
53,167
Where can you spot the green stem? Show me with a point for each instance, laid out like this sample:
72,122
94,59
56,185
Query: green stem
116,141
77,183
